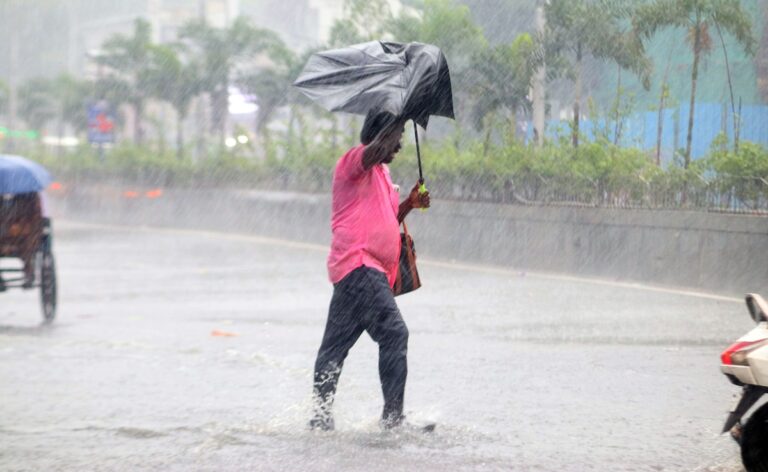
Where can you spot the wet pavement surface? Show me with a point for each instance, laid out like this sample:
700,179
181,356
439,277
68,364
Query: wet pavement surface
182,350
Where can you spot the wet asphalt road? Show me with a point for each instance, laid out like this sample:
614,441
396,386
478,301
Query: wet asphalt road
179,350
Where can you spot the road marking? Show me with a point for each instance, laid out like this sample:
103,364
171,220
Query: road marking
572,278
508,272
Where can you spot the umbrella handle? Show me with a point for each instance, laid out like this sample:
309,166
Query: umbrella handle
422,190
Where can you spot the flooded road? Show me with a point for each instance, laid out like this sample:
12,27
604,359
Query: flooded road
183,350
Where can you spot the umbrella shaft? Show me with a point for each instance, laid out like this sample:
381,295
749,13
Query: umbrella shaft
418,151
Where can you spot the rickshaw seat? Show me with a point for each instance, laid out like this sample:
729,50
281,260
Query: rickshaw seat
21,225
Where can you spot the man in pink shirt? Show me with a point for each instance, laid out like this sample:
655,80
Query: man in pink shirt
362,266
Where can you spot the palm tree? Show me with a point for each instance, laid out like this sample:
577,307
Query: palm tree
174,81
129,58
62,99
271,85
762,61
70,96
578,28
219,50
697,17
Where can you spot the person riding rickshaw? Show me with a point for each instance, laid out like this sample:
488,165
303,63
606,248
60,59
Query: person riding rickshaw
25,230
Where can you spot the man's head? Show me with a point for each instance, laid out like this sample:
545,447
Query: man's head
385,127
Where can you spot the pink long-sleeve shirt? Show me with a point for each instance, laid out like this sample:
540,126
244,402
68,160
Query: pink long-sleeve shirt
364,218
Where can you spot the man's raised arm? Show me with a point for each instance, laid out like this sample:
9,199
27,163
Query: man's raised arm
377,151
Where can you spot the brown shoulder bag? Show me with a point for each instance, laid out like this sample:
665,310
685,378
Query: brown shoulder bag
407,275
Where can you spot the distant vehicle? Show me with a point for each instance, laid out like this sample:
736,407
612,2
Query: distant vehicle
25,231
745,363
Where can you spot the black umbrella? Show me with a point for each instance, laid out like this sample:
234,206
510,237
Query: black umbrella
409,80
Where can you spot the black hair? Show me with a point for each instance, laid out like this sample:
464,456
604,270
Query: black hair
376,121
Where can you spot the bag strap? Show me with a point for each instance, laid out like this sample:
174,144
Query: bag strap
407,237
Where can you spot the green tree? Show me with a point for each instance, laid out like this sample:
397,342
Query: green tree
504,80
450,27
445,24
503,20
363,20
129,58
578,28
697,18
36,103
220,49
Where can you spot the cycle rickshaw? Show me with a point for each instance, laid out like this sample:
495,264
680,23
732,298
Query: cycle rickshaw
25,231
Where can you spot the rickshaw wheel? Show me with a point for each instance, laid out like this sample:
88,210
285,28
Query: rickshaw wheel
48,285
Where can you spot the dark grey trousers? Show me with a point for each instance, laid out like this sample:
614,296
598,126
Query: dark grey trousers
363,301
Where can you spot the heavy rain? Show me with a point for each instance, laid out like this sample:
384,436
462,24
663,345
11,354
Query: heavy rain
205,263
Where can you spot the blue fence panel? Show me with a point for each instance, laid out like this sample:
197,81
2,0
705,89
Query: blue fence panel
707,125
710,120
754,124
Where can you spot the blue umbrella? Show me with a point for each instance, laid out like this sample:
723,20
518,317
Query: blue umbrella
19,175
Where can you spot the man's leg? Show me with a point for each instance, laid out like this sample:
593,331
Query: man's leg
386,327
342,330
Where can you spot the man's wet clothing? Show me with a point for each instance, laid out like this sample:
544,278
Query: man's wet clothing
363,301
363,218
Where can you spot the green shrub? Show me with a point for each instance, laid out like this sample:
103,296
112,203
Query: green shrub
742,175
596,173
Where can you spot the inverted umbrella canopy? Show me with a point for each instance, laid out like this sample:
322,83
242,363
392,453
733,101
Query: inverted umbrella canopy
410,80
19,175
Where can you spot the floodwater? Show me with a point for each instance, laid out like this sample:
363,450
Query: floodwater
182,350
